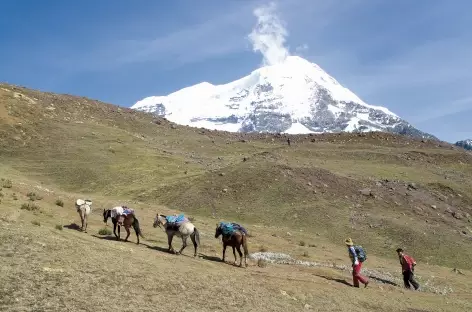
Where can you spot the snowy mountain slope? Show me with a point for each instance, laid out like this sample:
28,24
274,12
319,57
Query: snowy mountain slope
467,144
294,96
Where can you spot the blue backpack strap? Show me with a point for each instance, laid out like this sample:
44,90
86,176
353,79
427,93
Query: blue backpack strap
171,219
180,218
239,228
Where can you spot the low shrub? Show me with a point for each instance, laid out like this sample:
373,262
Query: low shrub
104,231
30,207
7,183
33,196
261,263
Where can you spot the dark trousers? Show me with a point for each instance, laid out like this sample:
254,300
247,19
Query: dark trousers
408,278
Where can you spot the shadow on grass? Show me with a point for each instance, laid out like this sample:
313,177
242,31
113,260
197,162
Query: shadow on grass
219,260
338,280
161,249
381,280
200,255
211,258
72,226
107,237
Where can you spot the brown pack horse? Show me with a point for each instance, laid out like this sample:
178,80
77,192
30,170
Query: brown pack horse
128,221
235,240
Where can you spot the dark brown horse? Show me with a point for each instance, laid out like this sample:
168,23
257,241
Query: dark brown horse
235,240
129,221
107,214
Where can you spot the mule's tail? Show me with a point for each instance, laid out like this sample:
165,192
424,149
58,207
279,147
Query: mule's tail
136,227
197,236
246,252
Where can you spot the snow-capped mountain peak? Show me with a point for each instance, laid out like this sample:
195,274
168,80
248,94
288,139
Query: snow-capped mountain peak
297,68
293,96
467,144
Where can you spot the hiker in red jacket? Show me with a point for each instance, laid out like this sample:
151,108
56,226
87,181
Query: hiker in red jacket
408,267
356,265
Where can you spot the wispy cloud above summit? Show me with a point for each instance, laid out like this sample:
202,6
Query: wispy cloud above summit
268,36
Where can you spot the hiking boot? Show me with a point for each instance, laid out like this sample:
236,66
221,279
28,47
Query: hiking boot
365,285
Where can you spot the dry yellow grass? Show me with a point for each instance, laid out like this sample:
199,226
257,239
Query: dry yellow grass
62,147
45,269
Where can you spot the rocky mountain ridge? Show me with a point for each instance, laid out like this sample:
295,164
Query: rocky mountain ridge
294,97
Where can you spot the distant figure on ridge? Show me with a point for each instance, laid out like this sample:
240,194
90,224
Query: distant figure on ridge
408,267
358,256
288,141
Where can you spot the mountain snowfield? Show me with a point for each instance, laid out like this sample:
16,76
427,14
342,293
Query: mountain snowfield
294,96
467,144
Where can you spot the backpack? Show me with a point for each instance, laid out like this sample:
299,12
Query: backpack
361,254
227,228
238,227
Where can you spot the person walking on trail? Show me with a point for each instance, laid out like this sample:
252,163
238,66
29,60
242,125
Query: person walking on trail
358,256
408,267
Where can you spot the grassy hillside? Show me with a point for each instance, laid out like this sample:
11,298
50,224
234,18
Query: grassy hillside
49,266
382,190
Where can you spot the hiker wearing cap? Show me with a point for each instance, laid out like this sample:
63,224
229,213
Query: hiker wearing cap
408,267
358,256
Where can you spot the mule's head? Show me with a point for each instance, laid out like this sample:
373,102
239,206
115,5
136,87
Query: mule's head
218,230
106,215
158,221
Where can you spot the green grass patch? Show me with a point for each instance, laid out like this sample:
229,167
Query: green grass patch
30,207
313,185
104,231
6,183
32,196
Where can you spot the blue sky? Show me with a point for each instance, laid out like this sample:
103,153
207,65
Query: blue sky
413,57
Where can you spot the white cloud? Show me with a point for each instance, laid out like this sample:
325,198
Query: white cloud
268,36
419,68
221,34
